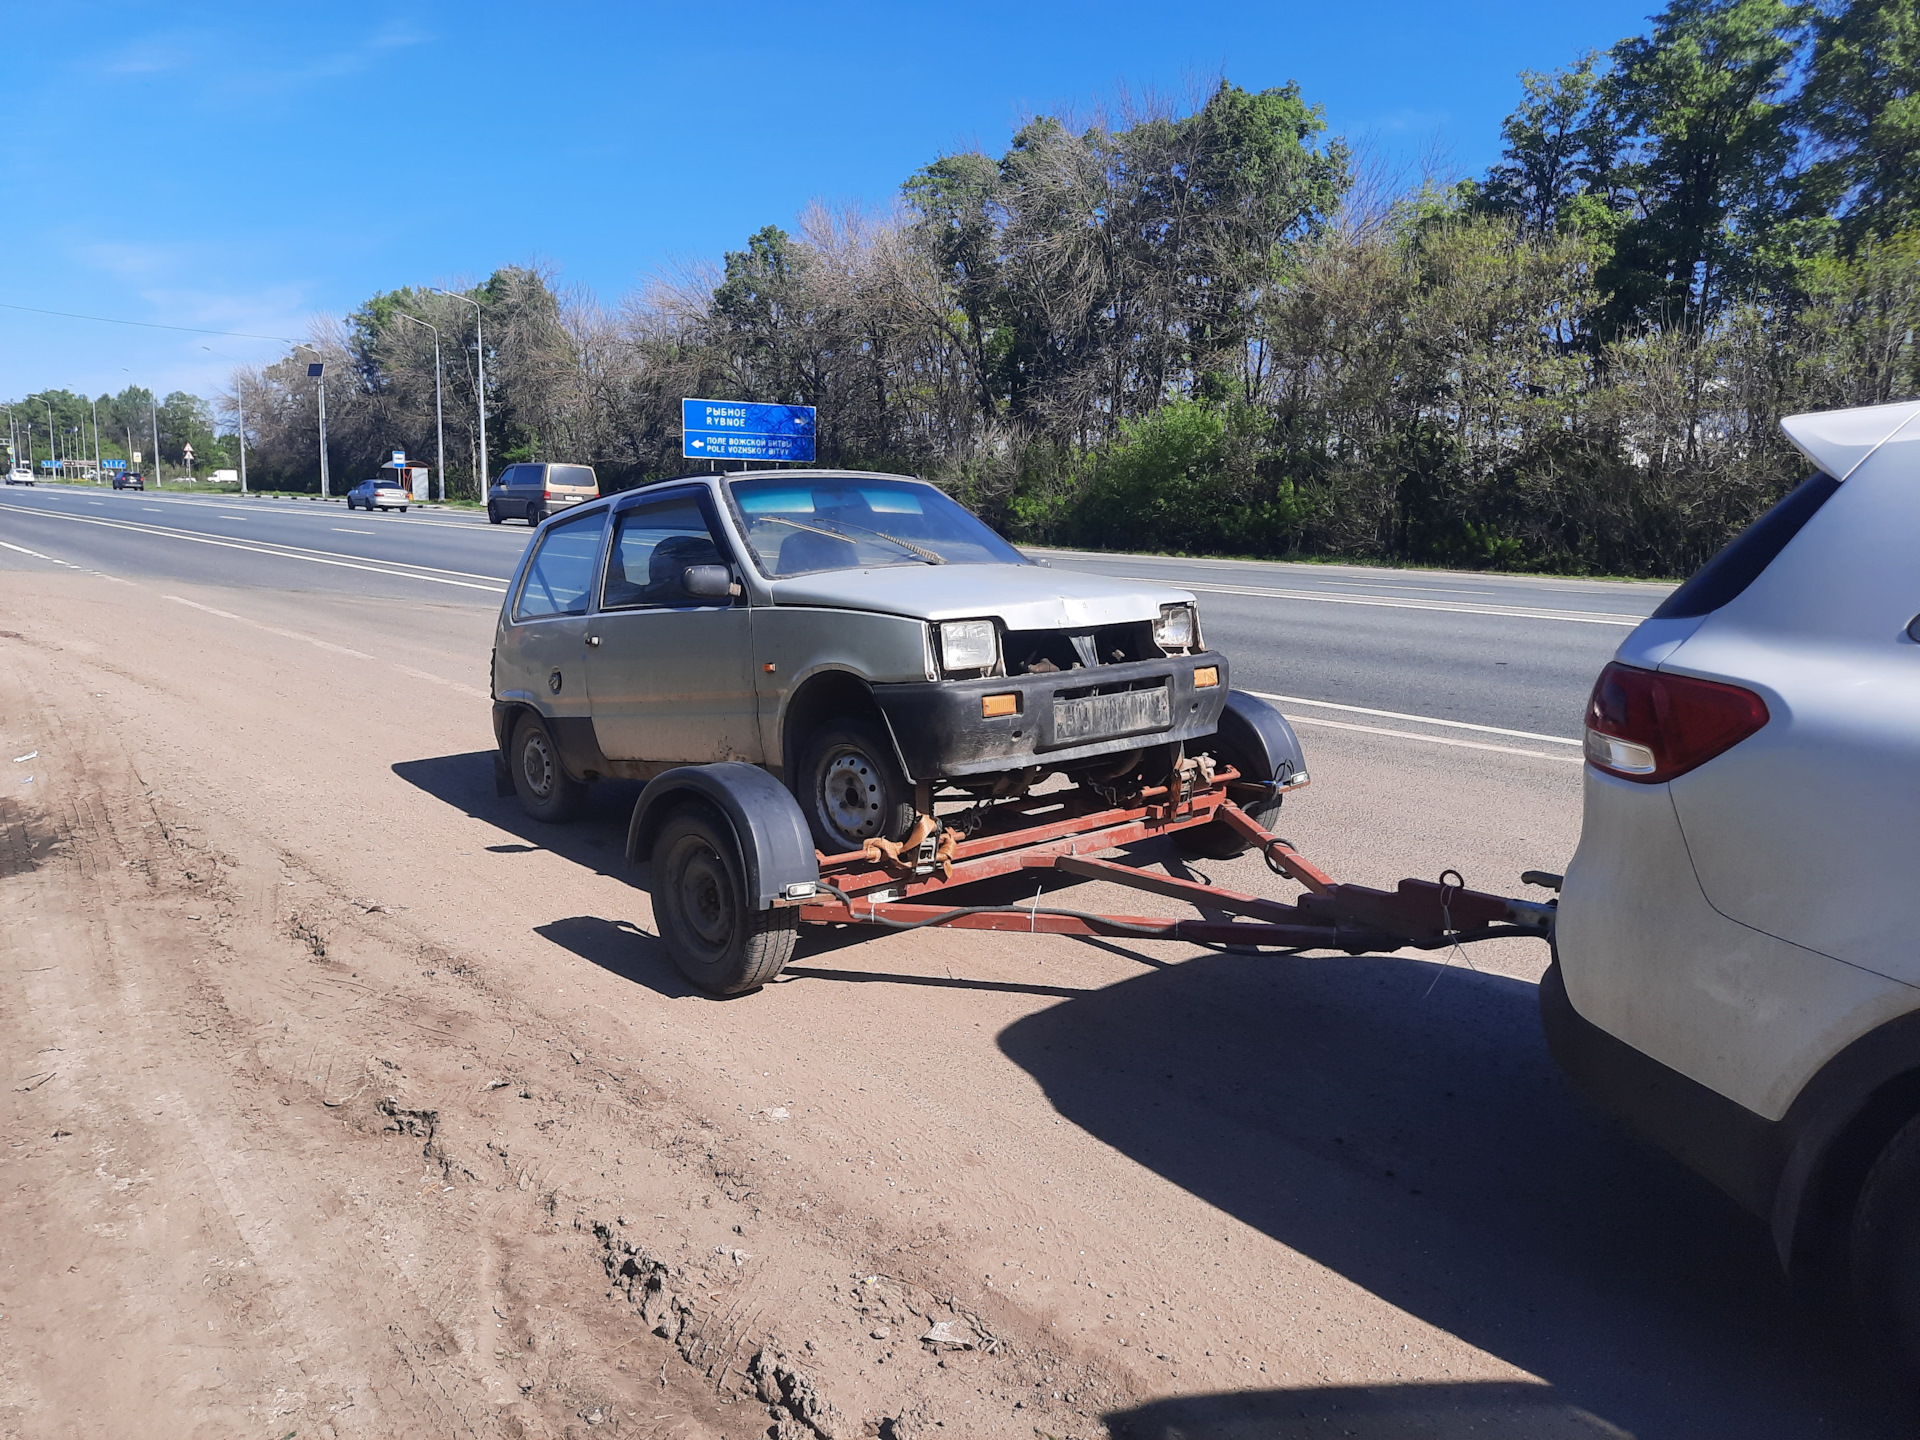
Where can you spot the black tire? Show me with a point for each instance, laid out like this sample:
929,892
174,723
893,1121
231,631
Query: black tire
1883,1253
851,787
700,903
1216,840
494,517
535,514
403,509
546,791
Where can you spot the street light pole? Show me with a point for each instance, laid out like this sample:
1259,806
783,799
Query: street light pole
96,440
439,425
480,347
52,454
153,412
318,372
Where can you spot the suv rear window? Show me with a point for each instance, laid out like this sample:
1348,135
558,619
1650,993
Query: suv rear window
577,477
1748,553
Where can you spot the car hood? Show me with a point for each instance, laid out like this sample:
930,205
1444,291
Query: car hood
1021,597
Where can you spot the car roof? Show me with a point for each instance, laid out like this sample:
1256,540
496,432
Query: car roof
711,478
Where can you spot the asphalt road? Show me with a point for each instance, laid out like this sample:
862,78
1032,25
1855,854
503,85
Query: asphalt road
1470,659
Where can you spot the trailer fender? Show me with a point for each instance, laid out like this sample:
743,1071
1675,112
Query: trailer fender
776,850
1261,741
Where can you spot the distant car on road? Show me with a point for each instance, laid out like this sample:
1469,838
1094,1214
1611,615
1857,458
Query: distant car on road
533,492
128,480
18,476
379,494
1736,967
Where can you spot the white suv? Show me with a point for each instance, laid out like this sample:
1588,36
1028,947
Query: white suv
1738,941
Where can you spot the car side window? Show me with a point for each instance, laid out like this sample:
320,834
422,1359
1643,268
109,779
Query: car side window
653,546
560,574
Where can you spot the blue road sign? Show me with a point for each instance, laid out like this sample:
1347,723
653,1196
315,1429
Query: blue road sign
739,430
113,464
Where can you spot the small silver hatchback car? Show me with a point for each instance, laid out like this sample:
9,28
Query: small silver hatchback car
860,636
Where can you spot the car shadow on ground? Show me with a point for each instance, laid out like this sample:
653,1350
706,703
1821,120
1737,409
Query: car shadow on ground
1415,1138
1482,1410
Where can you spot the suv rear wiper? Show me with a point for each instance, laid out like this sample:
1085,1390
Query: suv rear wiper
927,555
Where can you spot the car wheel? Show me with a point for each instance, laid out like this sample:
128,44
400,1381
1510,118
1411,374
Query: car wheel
700,902
1883,1253
535,514
852,788
494,517
546,791
1216,840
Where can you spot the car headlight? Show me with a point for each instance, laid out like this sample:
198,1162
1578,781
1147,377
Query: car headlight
1174,630
968,644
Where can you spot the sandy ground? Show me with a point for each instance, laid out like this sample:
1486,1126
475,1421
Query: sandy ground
343,1101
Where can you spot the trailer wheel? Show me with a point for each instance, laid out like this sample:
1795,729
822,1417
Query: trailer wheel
1216,840
700,902
1884,1252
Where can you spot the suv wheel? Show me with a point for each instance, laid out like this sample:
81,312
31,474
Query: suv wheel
546,791
1884,1251
700,902
535,514
851,788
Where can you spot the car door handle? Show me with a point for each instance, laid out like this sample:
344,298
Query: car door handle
593,639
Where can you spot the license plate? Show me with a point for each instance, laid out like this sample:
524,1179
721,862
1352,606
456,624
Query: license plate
1101,717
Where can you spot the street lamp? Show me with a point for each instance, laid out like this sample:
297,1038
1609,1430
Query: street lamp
439,426
239,404
53,456
480,396
95,405
318,371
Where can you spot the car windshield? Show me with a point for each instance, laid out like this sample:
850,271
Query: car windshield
800,525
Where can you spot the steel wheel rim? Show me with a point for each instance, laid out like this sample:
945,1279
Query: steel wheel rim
536,763
852,797
706,898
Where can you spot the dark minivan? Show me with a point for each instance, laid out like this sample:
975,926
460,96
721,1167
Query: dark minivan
532,492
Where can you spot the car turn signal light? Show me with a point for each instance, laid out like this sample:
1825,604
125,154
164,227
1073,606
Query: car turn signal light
992,707
1206,677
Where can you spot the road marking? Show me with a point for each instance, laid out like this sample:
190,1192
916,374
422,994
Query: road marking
271,630
155,509
1434,739
296,509
38,556
276,552
344,531
1418,719
468,690
1510,612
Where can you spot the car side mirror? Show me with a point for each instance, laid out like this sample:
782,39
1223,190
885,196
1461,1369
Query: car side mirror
707,582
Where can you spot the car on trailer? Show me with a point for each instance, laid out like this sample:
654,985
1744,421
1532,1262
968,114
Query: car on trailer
1736,972
866,642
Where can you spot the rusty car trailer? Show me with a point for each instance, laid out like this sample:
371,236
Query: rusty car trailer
749,874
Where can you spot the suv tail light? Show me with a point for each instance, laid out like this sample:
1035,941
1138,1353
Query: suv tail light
1650,727
547,494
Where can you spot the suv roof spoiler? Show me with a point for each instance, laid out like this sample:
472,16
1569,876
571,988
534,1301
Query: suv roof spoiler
1839,442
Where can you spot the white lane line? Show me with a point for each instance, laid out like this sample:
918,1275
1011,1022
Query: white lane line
1417,719
1400,589
341,529
297,510
1509,612
471,692
283,634
277,553
155,509
1434,739
23,550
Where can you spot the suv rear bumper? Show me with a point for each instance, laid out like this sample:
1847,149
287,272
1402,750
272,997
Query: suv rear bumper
941,732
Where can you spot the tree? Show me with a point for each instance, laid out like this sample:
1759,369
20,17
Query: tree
1702,108
1560,151
1861,106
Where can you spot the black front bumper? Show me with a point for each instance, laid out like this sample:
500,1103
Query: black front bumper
942,734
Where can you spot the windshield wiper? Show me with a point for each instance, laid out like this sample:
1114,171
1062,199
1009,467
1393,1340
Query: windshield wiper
927,555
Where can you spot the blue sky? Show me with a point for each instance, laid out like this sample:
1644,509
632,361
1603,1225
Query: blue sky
244,167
